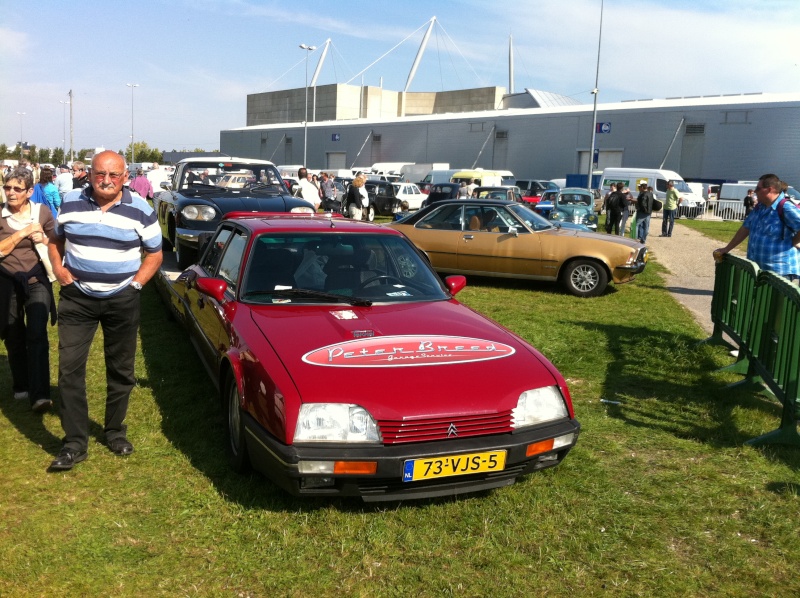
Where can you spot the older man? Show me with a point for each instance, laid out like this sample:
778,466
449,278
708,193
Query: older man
96,252
774,231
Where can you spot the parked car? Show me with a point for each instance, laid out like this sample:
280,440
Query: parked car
312,328
532,189
382,199
570,204
187,206
508,239
410,193
507,193
440,192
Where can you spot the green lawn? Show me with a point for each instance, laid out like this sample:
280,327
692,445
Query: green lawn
659,498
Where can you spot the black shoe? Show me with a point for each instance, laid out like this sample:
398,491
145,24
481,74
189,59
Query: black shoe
120,447
41,405
67,458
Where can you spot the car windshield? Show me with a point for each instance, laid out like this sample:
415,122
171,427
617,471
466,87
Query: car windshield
682,187
228,175
355,269
576,199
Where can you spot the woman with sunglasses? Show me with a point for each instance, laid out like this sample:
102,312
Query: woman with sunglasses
26,293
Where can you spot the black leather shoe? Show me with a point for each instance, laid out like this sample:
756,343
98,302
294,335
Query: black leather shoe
120,447
67,459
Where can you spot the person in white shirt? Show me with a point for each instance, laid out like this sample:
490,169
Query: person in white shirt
308,190
156,176
63,180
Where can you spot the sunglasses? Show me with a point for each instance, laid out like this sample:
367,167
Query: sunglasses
8,188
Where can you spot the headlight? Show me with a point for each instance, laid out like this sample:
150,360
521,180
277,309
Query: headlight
302,210
593,218
538,406
205,213
335,422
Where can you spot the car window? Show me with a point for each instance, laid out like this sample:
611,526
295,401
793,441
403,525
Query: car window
530,218
575,199
488,219
661,185
231,262
225,173
214,251
310,267
445,218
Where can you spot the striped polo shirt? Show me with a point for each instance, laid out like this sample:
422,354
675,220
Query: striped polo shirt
103,249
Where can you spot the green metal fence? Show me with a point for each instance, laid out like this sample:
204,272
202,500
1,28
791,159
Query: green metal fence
760,312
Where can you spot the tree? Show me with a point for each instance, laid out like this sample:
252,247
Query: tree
82,154
58,156
43,156
3,151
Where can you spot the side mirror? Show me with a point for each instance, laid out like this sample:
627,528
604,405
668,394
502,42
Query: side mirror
455,283
213,287
166,185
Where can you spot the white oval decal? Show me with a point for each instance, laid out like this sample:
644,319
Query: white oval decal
393,351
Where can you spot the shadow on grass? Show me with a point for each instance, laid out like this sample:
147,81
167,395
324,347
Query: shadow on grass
666,382
19,413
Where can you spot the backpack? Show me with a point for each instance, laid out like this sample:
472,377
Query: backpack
780,207
657,205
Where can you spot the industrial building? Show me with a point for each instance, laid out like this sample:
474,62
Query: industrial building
534,134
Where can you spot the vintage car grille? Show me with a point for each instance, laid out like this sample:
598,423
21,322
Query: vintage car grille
439,428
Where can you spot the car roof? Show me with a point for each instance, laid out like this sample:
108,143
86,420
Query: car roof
572,190
223,160
280,222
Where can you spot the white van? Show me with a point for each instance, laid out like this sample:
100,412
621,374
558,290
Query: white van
693,205
437,176
485,178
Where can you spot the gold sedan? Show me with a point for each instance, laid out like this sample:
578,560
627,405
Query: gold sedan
507,239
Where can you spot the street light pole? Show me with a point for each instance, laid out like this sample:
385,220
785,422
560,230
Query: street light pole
64,132
133,151
307,49
595,91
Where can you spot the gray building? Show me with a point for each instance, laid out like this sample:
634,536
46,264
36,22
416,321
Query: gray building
534,134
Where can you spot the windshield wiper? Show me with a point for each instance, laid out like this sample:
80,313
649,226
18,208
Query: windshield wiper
357,301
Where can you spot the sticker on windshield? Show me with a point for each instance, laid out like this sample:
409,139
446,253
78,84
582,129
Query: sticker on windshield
412,350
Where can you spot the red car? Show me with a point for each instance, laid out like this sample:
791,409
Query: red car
346,367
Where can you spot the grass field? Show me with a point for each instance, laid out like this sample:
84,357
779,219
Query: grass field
659,498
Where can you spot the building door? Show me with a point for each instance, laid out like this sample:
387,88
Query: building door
605,159
336,160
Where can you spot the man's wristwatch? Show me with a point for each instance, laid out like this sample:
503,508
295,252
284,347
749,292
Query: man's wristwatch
136,285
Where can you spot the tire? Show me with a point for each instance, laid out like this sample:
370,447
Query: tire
235,443
186,255
585,278
370,215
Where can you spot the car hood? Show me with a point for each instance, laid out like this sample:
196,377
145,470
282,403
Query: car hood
233,200
575,210
572,232
428,358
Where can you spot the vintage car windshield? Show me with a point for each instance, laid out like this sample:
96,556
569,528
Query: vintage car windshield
576,199
337,268
227,174
530,218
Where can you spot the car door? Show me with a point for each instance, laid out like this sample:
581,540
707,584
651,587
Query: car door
494,242
207,318
439,235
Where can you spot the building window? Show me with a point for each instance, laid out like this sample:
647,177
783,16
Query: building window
501,135
475,127
736,117
695,129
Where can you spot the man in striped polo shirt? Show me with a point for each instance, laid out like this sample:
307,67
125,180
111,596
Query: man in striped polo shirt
100,236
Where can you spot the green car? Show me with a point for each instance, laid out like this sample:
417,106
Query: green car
572,205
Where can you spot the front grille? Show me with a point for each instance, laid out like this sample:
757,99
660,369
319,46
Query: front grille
439,428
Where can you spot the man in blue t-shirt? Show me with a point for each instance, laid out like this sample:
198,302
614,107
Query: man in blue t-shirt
774,236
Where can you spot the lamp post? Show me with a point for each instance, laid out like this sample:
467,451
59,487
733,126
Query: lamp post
21,140
133,151
64,140
595,91
307,49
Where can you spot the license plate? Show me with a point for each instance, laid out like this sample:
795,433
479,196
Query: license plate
453,465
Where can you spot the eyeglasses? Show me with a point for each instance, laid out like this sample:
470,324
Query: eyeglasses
8,188
101,176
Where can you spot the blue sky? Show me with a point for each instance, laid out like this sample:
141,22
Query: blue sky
196,61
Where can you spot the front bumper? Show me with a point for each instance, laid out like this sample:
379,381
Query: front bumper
280,463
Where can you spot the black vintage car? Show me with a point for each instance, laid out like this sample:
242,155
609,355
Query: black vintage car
203,190
382,199
441,192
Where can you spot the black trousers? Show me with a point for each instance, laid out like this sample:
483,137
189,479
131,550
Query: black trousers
78,318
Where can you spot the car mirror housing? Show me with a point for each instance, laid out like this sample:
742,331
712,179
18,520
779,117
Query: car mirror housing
166,185
455,283
213,287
